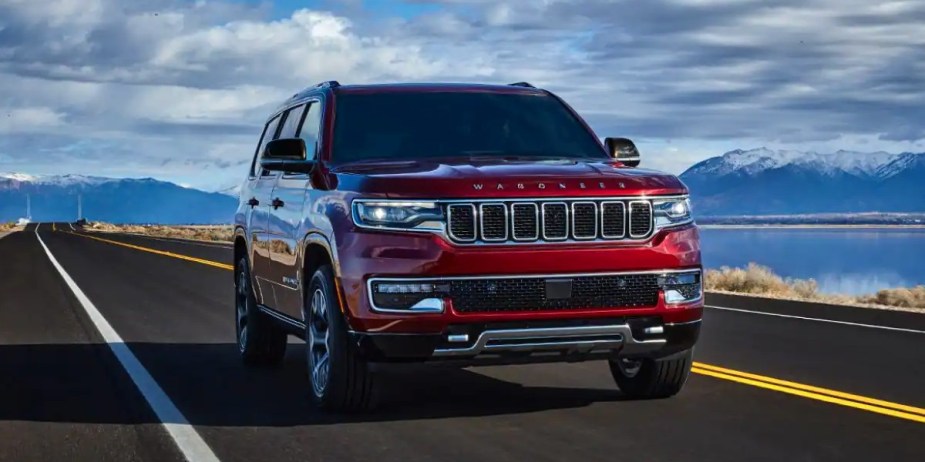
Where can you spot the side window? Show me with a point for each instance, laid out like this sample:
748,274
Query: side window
269,134
311,126
291,122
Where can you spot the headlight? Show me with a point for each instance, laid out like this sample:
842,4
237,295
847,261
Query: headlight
412,216
672,212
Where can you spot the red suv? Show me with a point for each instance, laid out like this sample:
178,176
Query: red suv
463,225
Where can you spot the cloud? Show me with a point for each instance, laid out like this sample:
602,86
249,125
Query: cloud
168,86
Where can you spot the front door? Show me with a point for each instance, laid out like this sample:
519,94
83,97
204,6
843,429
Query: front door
286,217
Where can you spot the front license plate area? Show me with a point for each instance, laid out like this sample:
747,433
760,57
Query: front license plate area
558,289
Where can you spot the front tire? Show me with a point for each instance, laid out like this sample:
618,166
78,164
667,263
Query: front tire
652,378
260,343
340,378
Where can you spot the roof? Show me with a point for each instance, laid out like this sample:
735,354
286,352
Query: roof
516,88
435,87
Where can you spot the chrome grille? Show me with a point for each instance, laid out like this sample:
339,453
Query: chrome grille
555,221
584,220
613,220
525,218
494,222
640,219
461,218
549,220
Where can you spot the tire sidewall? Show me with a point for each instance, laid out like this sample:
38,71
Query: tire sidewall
323,279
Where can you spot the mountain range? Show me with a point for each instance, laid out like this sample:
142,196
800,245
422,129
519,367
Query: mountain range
126,200
763,181
741,182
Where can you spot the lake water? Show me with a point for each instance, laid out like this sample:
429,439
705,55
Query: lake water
848,261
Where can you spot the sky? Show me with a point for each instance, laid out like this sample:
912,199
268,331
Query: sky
178,89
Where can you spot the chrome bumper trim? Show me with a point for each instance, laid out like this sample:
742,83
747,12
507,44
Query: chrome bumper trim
582,339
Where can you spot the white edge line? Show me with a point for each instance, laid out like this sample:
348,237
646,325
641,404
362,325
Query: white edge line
190,443
831,321
71,225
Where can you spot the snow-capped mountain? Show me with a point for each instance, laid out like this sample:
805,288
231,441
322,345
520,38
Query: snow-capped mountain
764,181
125,200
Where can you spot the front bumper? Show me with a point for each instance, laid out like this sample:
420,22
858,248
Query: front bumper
366,254
531,342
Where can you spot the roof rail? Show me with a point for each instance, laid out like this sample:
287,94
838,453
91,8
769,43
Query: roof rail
521,84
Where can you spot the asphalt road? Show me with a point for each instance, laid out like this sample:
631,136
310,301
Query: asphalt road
65,394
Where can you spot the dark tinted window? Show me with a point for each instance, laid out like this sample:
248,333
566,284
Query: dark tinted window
310,129
291,122
269,134
418,125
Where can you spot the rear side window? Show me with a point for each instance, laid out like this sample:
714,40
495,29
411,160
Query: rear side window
311,127
291,122
269,134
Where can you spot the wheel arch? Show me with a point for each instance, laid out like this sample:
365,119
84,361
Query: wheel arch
317,250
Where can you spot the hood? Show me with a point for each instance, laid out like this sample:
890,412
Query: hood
498,177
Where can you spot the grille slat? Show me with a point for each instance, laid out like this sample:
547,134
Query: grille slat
529,294
549,221
555,221
640,219
461,218
613,220
584,220
493,222
526,223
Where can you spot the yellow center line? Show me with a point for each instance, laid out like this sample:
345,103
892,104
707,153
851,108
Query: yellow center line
161,252
840,398
812,389
810,395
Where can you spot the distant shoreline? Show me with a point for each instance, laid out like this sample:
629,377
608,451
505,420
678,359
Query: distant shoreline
809,226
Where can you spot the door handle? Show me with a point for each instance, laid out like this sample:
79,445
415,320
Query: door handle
253,202
277,203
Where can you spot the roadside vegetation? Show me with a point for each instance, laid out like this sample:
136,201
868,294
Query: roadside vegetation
762,281
217,233
7,227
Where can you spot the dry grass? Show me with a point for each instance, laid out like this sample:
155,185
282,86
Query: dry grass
7,227
199,233
760,280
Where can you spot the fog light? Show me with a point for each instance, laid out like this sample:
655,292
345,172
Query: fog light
681,287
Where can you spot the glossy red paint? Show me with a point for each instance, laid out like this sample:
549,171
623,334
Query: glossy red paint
378,254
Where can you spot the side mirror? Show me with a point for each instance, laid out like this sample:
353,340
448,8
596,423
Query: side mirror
623,150
286,155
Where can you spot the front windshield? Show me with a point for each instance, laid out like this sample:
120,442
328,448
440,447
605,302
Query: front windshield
403,125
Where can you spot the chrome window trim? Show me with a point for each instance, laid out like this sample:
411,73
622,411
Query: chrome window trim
481,223
475,221
647,203
575,228
536,220
613,236
565,237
